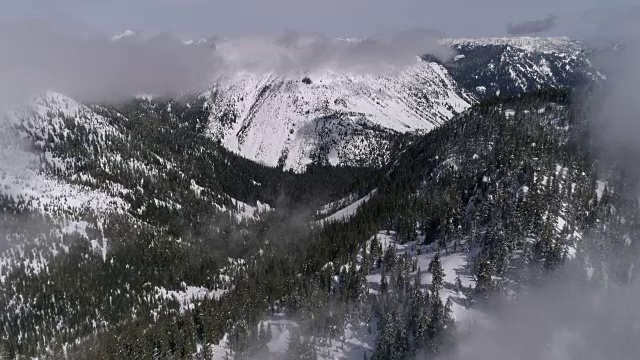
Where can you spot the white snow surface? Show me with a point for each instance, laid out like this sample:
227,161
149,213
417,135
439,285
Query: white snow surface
26,176
601,185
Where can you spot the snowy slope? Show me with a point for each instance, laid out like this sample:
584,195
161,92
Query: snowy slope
29,178
77,166
54,155
270,117
49,145
27,134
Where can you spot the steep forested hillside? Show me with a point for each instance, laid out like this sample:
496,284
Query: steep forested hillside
461,218
187,213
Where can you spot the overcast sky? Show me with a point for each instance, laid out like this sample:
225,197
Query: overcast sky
201,18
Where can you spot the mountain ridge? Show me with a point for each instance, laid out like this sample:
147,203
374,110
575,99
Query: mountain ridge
258,115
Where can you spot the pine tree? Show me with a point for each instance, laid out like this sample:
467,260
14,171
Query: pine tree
300,348
437,273
484,276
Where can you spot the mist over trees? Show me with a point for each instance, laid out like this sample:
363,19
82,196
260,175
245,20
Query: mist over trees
201,251
522,192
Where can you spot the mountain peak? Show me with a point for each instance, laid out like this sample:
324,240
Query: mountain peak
195,42
535,44
124,35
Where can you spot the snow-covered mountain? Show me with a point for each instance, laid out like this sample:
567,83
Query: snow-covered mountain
63,157
27,173
288,119
200,41
125,35
549,45
342,117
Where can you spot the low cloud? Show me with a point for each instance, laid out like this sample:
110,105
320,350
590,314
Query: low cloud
565,320
36,58
295,52
616,116
532,27
614,107
570,317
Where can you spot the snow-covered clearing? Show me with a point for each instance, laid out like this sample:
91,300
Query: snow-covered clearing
455,264
188,296
358,339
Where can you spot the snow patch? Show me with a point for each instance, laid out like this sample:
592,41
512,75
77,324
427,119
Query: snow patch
188,296
601,185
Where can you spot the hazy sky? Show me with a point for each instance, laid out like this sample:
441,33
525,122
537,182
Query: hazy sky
198,18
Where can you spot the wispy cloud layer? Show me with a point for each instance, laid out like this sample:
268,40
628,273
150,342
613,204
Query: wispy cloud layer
35,58
532,27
